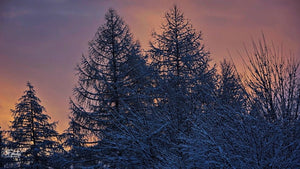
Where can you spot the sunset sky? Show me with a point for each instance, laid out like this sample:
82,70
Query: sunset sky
41,41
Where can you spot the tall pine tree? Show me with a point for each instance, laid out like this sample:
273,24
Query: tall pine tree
179,57
111,98
31,132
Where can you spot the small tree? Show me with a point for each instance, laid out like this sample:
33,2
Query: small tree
231,91
31,133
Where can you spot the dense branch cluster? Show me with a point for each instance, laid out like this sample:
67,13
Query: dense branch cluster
165,108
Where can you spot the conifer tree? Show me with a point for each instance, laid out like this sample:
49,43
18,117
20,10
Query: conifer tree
178,53
179,57
31,132
231,91
111,97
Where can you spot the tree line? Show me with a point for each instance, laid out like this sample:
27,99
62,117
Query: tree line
168,107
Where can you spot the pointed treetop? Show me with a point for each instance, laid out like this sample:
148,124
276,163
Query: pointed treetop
112,15
111,11
175,17
175,10
30,90
30,86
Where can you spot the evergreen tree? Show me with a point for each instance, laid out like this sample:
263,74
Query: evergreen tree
31,132
187,84
111,98
179,56
231,91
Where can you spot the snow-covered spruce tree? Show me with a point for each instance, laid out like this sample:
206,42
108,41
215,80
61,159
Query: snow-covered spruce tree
188,82
112,100
31,132
231,91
